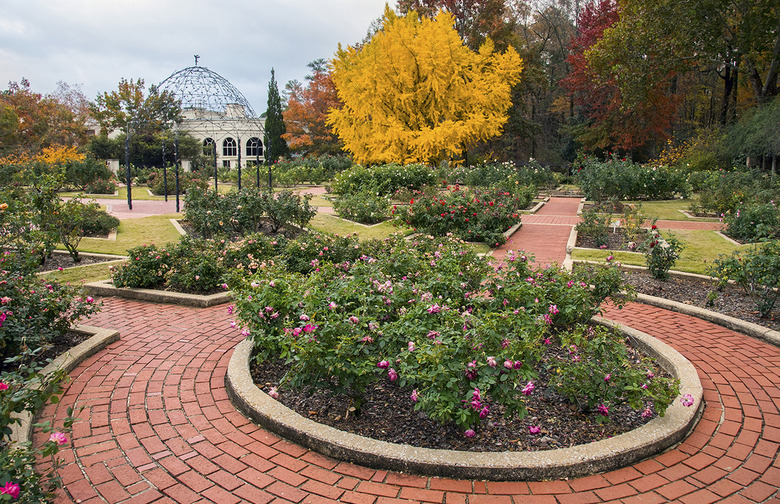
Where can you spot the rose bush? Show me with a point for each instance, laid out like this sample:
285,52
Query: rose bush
429,315
472,215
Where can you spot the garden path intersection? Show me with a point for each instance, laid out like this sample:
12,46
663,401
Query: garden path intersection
157,424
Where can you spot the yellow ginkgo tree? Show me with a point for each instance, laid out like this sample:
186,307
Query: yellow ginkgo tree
416,93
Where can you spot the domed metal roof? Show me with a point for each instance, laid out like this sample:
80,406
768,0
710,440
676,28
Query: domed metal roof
201,89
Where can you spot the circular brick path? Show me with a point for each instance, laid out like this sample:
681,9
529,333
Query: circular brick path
157,426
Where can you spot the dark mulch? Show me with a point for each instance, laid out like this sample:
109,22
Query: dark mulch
56,261
616,240
59,345
388,414
731,300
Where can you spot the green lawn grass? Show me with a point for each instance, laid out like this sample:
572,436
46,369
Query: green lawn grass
666,209
332,224
701,248
131,233
83,274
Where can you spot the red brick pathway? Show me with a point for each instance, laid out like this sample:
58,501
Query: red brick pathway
157,426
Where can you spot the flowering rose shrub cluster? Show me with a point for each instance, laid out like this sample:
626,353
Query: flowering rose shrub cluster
598,372
723,192
24,388
504,174
431,316
242,212
364,206
34,310
313,170
472,215
199,265
660,253
756,270
383,179
188,181
621,179
754,222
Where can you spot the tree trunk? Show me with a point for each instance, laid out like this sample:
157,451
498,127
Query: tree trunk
728,85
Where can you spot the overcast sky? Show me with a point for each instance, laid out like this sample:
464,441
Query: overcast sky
95,43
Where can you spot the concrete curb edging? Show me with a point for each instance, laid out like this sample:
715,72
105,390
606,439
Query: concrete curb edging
106,288
67,361
652,438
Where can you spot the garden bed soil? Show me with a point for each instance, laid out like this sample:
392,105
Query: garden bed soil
615,241
58,346
388,414
56,261
703,293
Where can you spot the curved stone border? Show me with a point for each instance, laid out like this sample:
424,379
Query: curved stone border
106,288
68,361
613,453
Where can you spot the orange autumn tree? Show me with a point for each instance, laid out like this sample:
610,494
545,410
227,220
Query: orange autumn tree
415,93
307,113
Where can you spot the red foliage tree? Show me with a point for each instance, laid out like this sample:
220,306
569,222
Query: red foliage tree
306,113
610,123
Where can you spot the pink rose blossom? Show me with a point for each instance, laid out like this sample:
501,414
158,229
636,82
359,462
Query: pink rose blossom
491,361
603,410
383,364
392,374
529,388
273,393
11,489
687,400
3,386
414,396
533,429
59,437
470,433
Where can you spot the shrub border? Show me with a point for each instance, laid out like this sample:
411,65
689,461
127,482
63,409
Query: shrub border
619,451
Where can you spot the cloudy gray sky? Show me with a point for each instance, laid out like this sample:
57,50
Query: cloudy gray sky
95,43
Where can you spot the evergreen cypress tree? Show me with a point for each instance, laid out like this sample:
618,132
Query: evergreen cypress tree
276,147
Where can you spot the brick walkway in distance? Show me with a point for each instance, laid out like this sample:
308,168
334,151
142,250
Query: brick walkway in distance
157,426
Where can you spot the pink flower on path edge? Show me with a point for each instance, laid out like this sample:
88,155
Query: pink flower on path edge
533,429
11,489
59,437
273,393
687,400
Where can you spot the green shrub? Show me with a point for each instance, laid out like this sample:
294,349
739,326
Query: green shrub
87,173
756,270
754,222
187,182
311,249
726,192
660,254
198,266
599,372
34,311
26,389
214,214
97,222
621,179
595,225
287,208
146,267
384,179
364,206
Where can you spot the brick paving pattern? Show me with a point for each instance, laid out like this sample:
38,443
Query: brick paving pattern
157,425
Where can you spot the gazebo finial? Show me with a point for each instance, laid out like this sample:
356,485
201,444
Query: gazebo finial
196,59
